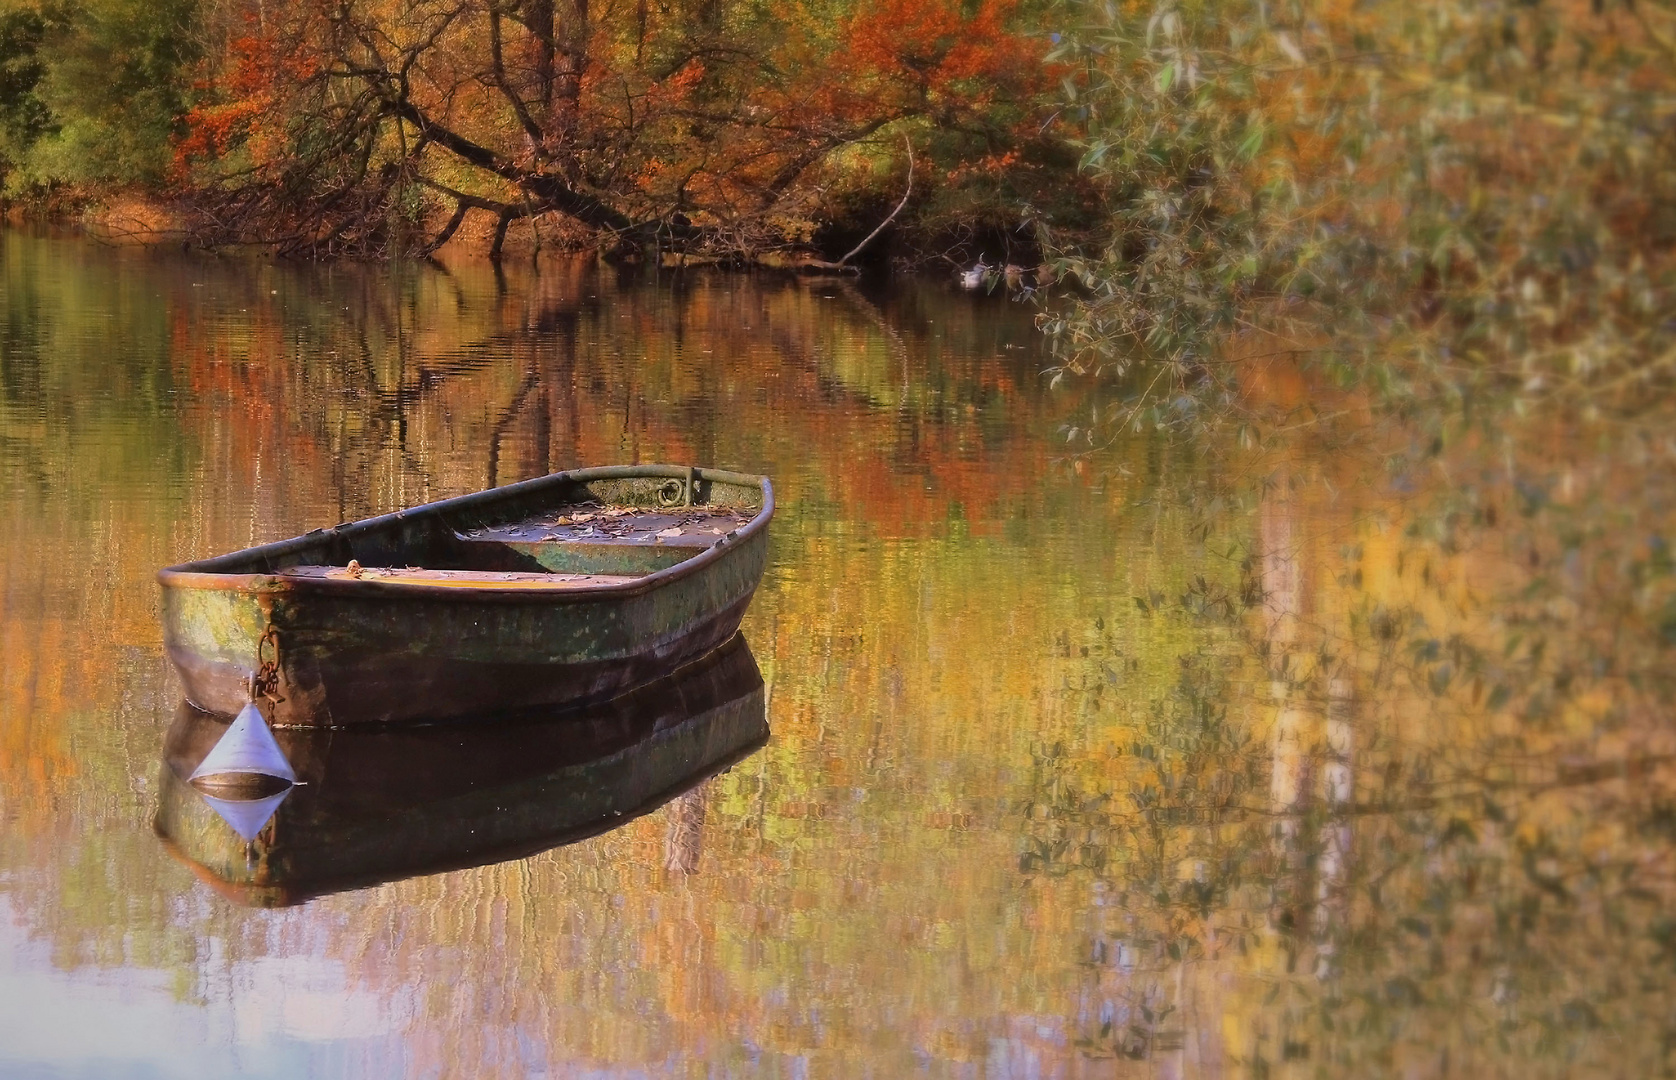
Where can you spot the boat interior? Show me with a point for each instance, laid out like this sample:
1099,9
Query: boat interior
557,532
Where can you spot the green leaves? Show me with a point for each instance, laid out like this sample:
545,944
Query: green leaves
1489,183
1175,137
92,93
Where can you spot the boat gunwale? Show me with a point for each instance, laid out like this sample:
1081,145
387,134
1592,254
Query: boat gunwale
199,573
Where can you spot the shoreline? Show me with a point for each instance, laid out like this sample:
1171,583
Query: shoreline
141,219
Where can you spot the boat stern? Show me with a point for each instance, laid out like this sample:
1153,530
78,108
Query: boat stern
217,632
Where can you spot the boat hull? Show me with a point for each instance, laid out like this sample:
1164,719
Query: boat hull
351,652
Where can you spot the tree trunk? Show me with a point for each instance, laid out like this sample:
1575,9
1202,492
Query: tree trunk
539,19
571,63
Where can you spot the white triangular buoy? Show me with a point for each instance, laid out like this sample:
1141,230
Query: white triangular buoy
246,816
248,747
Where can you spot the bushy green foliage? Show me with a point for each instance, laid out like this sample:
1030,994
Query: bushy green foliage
1425,195
1172,103
91,93
23,116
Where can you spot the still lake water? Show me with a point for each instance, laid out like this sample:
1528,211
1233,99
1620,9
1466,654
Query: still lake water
1193,757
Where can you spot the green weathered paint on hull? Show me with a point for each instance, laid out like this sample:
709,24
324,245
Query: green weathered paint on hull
368,651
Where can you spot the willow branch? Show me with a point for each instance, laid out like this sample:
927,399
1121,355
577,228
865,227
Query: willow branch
881,227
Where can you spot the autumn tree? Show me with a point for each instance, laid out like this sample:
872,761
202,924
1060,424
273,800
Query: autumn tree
718,126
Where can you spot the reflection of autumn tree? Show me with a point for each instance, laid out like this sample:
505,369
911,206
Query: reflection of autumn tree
1008,814
71,432
569,370
290,404
1397,867
683,843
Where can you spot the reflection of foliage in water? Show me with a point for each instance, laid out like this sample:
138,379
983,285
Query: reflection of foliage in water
968,838
1444,842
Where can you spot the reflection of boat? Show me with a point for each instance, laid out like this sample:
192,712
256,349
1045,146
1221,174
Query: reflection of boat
377,805
569,588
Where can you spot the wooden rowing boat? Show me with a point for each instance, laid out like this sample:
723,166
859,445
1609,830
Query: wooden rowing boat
563,590
382,804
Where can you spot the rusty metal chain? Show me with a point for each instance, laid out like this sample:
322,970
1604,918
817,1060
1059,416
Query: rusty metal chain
265,683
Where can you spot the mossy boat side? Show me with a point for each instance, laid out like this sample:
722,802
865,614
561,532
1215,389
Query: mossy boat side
382,804
562,590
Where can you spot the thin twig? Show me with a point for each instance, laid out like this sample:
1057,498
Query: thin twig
881,227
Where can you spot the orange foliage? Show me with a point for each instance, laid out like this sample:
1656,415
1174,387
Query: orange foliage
243,112
618,118
931,42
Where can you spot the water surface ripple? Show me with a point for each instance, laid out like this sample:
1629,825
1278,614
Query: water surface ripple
1164,762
